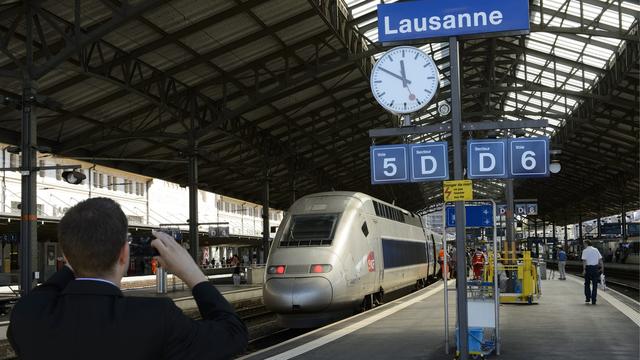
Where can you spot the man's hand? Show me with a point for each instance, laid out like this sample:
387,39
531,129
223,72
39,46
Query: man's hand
176,259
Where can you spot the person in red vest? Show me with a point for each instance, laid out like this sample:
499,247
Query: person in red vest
441,262
154,265
477,261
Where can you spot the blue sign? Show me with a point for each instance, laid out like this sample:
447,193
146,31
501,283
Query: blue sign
520,209
529,157
532,209
475,216
389,164
501,209
429,161
434,19
487,159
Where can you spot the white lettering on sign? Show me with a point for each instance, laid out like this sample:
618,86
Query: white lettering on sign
390,168
381,154
422,152
434,164
481,148
528,161
492,161
435,23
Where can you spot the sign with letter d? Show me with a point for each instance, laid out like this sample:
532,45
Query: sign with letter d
487,159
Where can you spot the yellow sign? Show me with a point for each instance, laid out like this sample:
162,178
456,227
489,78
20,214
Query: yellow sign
457,190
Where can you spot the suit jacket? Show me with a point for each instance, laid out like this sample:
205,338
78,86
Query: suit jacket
83,319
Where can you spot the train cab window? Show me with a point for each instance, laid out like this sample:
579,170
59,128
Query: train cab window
310,230
365,229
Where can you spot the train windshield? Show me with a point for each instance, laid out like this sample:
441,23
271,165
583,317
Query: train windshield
310,230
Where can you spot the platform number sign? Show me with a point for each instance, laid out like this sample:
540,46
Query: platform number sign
409,163
529,157
389,164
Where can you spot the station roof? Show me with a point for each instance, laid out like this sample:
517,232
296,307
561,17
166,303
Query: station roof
280,88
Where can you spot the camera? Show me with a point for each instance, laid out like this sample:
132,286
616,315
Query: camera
141,246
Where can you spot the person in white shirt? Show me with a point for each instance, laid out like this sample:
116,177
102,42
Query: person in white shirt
592,266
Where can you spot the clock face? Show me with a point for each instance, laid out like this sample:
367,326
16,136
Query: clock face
404,80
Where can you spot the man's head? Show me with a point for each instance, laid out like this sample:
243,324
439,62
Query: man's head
587,242
93,236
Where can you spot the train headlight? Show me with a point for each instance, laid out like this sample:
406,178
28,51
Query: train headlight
276,269
320,268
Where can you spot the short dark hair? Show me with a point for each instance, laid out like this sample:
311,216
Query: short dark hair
91,234
587,242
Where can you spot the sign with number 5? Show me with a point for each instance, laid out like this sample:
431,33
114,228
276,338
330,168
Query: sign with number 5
389,164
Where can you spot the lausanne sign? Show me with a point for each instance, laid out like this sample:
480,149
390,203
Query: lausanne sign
437,19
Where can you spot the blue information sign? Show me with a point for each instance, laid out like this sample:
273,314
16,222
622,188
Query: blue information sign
529,157
475,216
434,19
487,159
520,209
501,209
429,161
389,164
532,209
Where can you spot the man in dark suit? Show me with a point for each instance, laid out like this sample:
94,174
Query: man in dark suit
80,312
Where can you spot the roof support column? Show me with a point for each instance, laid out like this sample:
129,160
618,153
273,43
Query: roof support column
623,221
193,192
580,239
535,236
598,223
29,215
456,135
265,218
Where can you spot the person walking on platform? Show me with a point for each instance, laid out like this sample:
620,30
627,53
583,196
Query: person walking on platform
441,263
235,262
80,312
592,267
477,261
562,263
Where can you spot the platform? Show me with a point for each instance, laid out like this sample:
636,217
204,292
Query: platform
561,326
236,295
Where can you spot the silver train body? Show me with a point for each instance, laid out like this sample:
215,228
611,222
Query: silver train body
337,252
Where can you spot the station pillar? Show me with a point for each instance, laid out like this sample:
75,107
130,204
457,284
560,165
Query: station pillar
28,144
193,207
581,240
623,221
456,136
265,221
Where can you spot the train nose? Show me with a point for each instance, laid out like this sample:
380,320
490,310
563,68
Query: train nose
288,295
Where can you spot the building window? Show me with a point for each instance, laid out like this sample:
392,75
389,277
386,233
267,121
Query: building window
14,160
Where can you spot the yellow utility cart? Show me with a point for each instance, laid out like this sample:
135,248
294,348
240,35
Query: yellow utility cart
517,278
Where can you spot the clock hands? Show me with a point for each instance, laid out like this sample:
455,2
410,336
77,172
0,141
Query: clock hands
396,76
406,82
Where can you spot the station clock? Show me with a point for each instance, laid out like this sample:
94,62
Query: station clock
404,80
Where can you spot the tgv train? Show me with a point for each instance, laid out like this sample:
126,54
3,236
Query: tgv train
338,252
